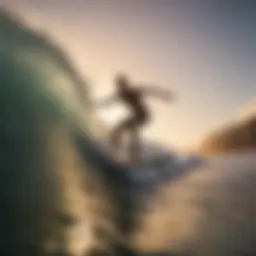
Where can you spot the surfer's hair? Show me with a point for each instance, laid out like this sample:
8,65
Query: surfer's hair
122,80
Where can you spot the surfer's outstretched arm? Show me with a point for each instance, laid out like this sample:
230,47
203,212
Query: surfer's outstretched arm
162,93
107,101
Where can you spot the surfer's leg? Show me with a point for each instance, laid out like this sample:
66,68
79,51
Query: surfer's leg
135,144
137,122
116,136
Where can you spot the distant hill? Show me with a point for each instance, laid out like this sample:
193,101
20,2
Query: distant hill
236,137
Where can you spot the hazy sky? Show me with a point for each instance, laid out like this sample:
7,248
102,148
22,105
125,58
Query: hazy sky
205,52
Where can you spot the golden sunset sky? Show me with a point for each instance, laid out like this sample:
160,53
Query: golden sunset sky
203,52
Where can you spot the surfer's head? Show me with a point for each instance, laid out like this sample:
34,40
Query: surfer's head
122,81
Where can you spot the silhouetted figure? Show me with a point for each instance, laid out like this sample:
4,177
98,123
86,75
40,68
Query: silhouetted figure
140,115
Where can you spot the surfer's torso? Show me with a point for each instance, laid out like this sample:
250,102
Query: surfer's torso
132,98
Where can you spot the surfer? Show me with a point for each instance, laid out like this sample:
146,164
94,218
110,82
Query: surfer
140,115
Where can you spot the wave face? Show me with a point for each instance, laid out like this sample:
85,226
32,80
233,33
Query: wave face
55,188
